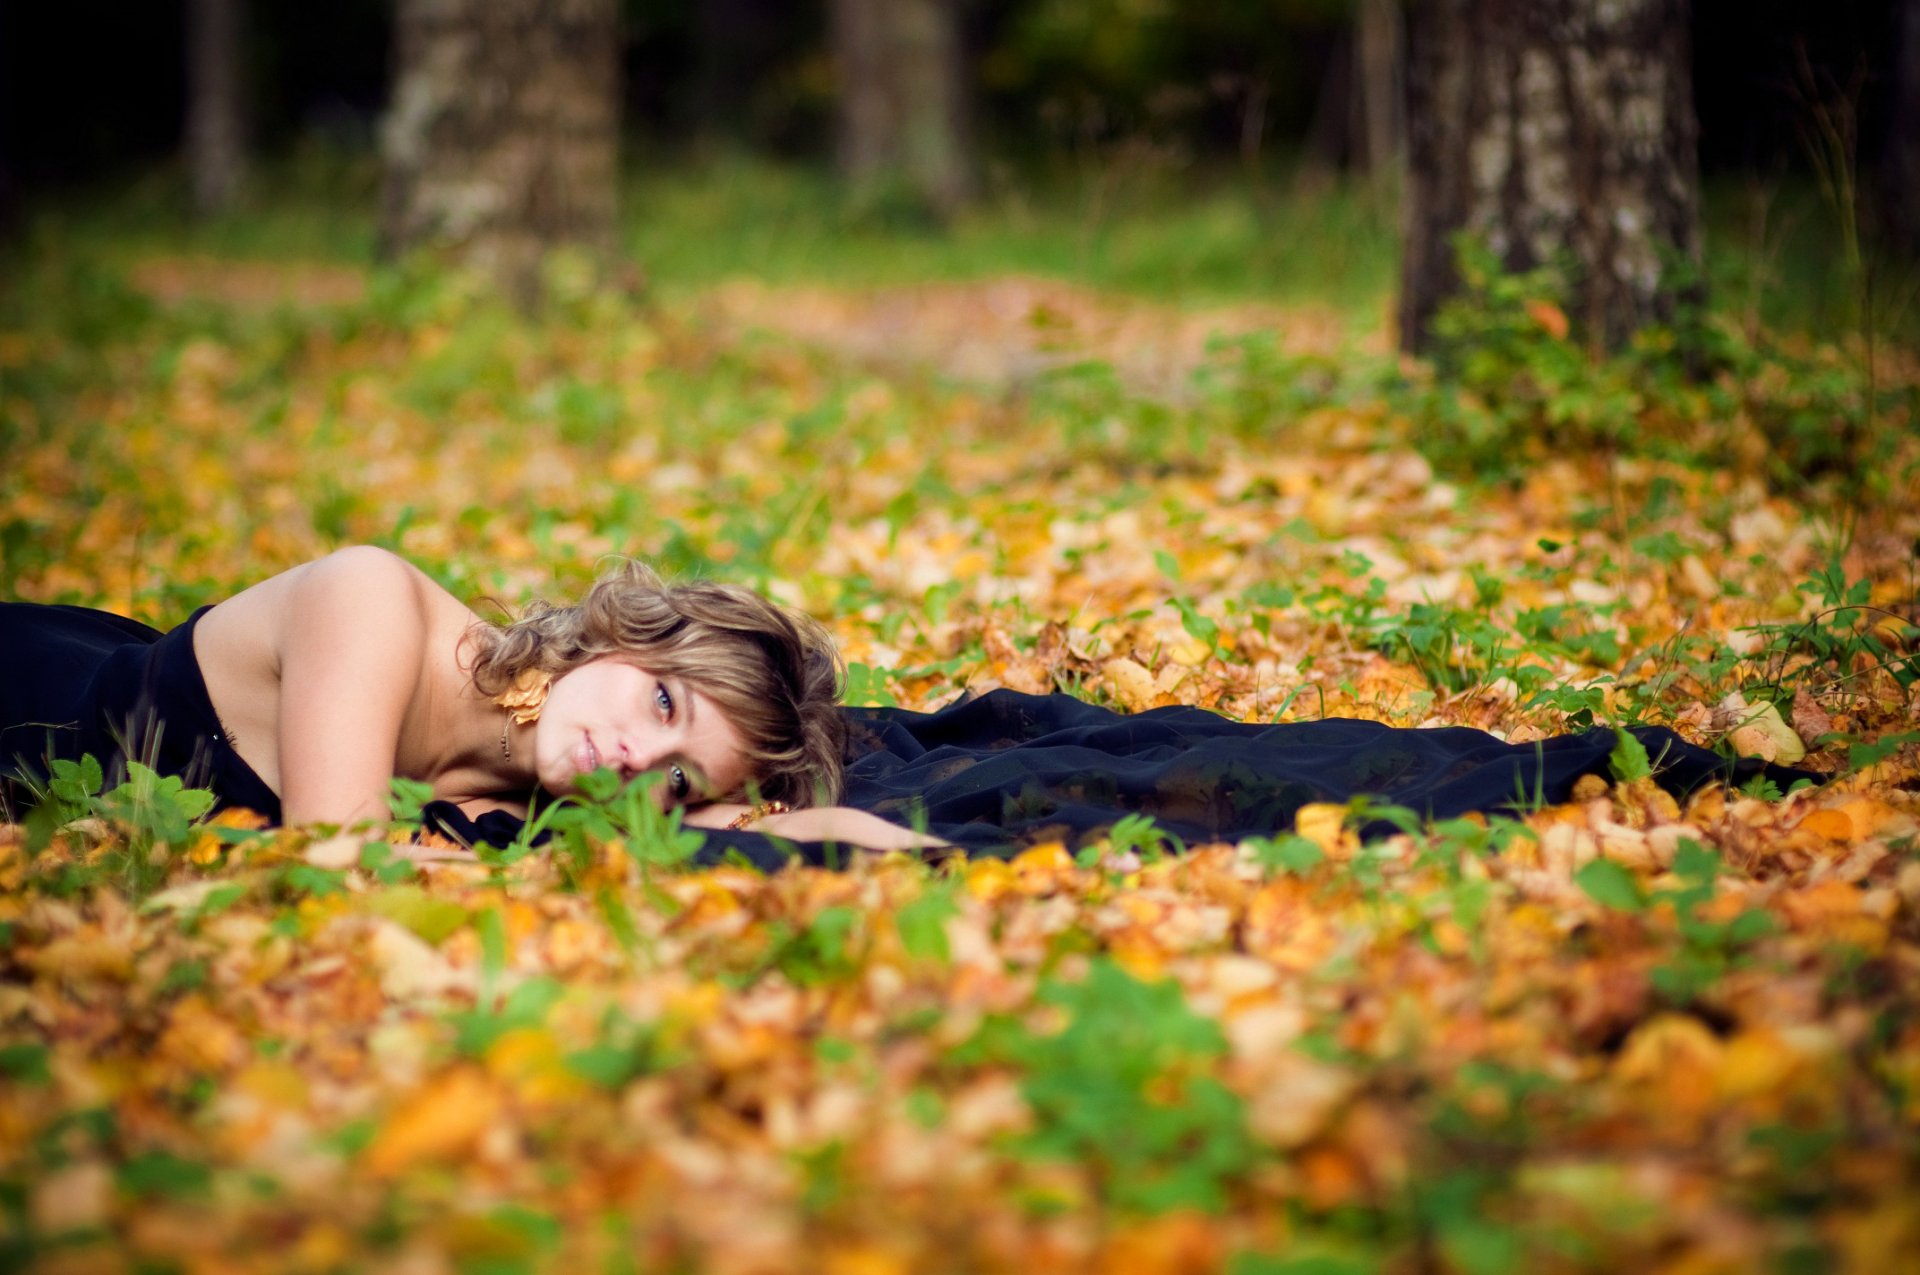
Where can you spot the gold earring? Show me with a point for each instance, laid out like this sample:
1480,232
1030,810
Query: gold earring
522,702
527,696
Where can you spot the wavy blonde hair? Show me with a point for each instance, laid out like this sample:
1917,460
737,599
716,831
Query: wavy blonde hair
774,673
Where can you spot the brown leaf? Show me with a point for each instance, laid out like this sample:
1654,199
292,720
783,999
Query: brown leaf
1810,721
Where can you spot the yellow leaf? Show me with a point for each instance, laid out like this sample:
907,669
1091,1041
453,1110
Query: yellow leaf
1132,685
533,1063
1763,733
861,1258
441,1120
1044,868
1325,824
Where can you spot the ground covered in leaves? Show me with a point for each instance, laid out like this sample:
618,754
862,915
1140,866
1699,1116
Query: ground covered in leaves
1623,1033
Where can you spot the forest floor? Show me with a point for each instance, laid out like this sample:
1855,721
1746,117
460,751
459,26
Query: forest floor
1627,1032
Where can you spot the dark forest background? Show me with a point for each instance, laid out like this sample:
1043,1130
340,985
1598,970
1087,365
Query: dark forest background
94,89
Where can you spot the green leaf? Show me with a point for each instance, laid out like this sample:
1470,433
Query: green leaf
922,924
432,918
1198,626
925,1107
527,1004
1750,925
183,976
1302,1264
1860,756
351,1138
606,1064
377,858
1478,1247
407,798
619,920
160,1174
74,781
221,898
305,878
1290,853
1694,862
539,1229
1629,760
867,687
1607,883
492,933
1128,1088
831,928
193,802
25,1063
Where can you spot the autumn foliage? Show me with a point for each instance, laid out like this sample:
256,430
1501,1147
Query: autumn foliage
1625,1033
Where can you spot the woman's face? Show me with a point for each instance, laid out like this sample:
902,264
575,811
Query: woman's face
609,713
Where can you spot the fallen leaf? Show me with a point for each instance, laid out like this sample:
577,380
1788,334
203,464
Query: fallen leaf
441,1120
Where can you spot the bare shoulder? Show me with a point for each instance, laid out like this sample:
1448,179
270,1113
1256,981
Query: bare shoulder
369,584
362,585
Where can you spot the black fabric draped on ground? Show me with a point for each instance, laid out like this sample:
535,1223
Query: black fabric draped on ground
988,774
1002,770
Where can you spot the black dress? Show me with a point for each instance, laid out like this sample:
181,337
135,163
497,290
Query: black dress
988,774
76,681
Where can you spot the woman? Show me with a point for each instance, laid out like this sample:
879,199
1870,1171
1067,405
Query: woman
302,697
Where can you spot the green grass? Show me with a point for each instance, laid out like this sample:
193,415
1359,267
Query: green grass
1192,238
1189,235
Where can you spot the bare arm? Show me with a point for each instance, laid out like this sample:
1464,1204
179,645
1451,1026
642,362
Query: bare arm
351,648
841,824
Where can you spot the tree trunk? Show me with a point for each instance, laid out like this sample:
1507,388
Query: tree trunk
1562,133
502,139
903,100
216,130
1900,164
1379,74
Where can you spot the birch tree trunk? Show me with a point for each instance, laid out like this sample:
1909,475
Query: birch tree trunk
1559,132
216,113
903,100
502,139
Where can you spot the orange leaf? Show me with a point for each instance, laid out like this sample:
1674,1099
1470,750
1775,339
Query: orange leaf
1549,316
1834,825
442,1119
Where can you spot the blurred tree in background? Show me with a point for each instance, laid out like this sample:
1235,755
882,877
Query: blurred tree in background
902,95
937,101
1560,133
216,104
502,137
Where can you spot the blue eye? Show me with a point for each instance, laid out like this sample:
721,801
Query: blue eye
677,782
663,699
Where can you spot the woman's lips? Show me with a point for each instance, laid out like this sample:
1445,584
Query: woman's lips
586,756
